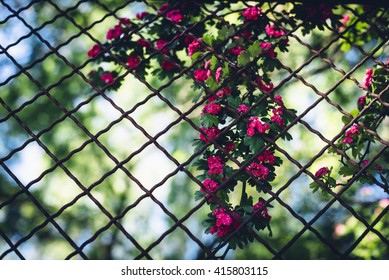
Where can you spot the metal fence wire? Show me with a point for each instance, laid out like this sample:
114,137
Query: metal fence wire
88,172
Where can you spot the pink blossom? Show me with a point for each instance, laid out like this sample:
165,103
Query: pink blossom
94,51
224,222
143,43
141,15
124,21
265,46
215,165
218,75
276,117
114,33
258,170
243,108
269,29
267,49
362,101
251,13
210,185
193,47
107,78
279,100
212,109
133,61
164,7
236,50
211,132
379,168
384,202
201,74
256,124
167,65
230,146
223,92
207,64
264,87
321,172
344,21
267,157
161,46
368,79
365,162
263,212
175,16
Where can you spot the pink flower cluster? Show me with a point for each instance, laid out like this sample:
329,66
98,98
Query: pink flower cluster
368,79
193,47
264,87
224,222
107,78
276,117
242,108
141,15
202,74
133,61
252,13
211,132
161,45
362,101
94,51
236,50
175,16
258,170
218,74
267,49
256,125
344,21
215,165
167,65
210,185
321,172
273,33
267,157
212,108
115,32
350,133
264,212
223,92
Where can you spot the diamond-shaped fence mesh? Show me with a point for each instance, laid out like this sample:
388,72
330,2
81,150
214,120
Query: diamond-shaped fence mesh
92,172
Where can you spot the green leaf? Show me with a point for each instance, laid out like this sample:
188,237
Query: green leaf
226,32
314,186
214,62
254,143
254,50
226,70
234,102
346,120
243,59
199,195
347,170
211,83
208,38
354,113
332,182
209,120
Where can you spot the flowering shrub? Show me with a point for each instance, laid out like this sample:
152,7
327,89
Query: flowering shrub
242,115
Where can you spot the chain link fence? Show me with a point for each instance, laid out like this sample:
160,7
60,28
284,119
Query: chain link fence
88,172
